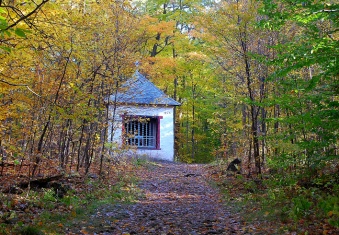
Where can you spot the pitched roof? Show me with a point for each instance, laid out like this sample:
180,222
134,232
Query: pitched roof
139,90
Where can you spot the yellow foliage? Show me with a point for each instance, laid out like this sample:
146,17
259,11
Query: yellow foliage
199,56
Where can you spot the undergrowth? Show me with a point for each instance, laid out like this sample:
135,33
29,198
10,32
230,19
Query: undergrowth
283,202
44,212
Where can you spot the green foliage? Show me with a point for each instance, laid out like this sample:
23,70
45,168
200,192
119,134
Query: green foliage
81,205
300,207
20,32
303,74
3,229
49,195
30,230
140,161
282,199
251,186
196,139
330,207
70,200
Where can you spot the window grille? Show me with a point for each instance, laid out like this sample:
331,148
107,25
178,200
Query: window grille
141,132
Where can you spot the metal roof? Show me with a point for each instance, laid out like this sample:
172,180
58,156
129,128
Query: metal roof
139,90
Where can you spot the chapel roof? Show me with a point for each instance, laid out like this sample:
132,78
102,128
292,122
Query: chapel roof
139,90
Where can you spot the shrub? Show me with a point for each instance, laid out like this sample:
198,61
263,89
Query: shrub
330,206
301,207
30,230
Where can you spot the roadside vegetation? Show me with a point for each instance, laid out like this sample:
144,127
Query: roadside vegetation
54,210
281,203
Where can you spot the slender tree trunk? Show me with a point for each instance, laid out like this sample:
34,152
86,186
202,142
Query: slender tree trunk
192,132
44,131
80,144
263,131
253,108
154,51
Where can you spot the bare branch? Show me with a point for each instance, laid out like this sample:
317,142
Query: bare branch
21,85
325,10
23,17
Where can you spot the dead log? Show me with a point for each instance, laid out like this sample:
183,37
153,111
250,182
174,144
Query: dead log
47,182
41,182
192,175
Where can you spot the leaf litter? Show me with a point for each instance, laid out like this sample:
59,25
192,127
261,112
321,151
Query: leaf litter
168,198
176,199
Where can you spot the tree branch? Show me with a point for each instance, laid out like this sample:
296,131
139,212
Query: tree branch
23,17
22,85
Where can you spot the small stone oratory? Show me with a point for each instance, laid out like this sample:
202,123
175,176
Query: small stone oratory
143,118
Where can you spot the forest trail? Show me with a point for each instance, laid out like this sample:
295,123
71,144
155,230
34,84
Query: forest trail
177,199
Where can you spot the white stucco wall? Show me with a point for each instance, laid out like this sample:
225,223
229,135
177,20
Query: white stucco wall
166,151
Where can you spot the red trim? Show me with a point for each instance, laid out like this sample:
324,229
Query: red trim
158,132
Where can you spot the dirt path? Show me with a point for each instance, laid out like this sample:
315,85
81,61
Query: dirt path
178,200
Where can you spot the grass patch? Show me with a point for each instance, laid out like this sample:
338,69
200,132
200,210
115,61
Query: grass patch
81,207
30,230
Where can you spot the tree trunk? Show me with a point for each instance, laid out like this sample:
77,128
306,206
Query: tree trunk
253,108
